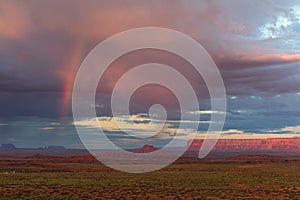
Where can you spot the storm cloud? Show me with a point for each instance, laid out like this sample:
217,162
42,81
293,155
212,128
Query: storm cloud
255,45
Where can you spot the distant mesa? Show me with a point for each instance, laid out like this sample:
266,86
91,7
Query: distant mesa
7,147
250,144
50,147
195,145
270,144
145,149
53,147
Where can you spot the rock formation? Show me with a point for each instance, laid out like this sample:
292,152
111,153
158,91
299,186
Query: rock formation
7,146
251,144
145,149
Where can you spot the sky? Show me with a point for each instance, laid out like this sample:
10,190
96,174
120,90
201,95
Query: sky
255,45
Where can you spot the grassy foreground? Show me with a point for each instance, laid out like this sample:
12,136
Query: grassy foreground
178,181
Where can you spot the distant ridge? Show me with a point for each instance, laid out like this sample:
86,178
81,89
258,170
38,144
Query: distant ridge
54,147
238,144
50,147
250,144
195,145
7,146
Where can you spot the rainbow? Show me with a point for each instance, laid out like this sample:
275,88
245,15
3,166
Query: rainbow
67,74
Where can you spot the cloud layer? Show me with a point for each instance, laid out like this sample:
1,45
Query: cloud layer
255,45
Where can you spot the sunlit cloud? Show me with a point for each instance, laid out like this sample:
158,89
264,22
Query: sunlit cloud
287,129
14,20
109,124
135,124
47,128
206,112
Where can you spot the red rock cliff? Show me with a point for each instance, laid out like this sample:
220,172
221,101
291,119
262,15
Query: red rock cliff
251,144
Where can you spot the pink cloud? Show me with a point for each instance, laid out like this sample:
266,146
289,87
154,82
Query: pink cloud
14,19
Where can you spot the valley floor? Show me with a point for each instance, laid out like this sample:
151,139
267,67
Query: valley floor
23,179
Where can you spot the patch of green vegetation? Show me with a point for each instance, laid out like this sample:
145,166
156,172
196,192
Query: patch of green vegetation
204,181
